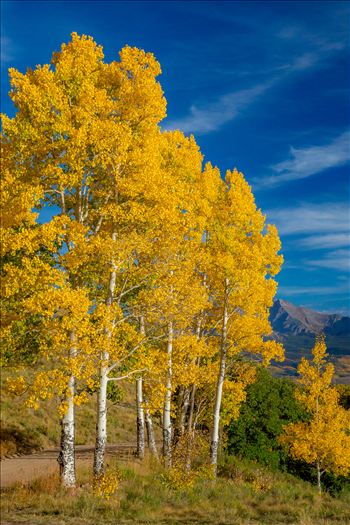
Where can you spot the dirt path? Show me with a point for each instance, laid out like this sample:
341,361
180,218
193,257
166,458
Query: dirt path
27,468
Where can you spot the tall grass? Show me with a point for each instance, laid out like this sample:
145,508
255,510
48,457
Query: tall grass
245,493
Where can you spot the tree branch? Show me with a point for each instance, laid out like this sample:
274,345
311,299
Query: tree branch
127,375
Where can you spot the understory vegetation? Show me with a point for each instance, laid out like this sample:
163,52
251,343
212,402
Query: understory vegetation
243,493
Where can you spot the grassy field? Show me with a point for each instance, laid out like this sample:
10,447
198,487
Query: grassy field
244,494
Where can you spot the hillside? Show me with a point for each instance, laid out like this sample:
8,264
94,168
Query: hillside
24,430
296,328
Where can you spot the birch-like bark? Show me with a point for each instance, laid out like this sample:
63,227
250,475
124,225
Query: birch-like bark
182,410
220,383
67,453
101,423
140,419
66,457
151,440
167,428
194,387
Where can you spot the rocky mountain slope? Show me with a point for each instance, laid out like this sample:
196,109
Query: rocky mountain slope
296,328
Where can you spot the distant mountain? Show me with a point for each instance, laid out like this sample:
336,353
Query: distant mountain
288,319
296,328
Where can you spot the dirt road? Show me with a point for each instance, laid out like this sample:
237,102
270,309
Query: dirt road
27,468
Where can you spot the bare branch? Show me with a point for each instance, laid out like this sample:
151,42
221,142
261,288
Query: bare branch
127,375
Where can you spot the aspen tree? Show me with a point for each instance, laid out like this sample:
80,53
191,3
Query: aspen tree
44,135
324,440
34,288
243,259
140,420
175,294
146,404
131,209
78,135
151,440
39,290
171,305
210,184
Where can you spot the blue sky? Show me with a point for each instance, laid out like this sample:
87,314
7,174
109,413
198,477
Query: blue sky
264,86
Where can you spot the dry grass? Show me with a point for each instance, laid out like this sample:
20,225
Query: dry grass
245,493
144,498
24,430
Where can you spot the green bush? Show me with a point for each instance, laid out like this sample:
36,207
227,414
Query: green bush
269,406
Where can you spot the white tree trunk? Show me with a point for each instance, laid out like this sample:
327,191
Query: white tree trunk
67,452
140,419
167,429
66,457
150,434
101,423
181,415
194,386
140,415
220,383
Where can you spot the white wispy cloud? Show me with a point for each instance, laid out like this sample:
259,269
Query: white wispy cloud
322,42
330,240
311,290
305,61
207,118
306,218
308,161
6,47
322,226
211,117
336,260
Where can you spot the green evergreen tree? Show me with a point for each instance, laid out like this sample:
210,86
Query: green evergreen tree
269,406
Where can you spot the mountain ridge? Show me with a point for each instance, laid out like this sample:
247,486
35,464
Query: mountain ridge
296,328
286,317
